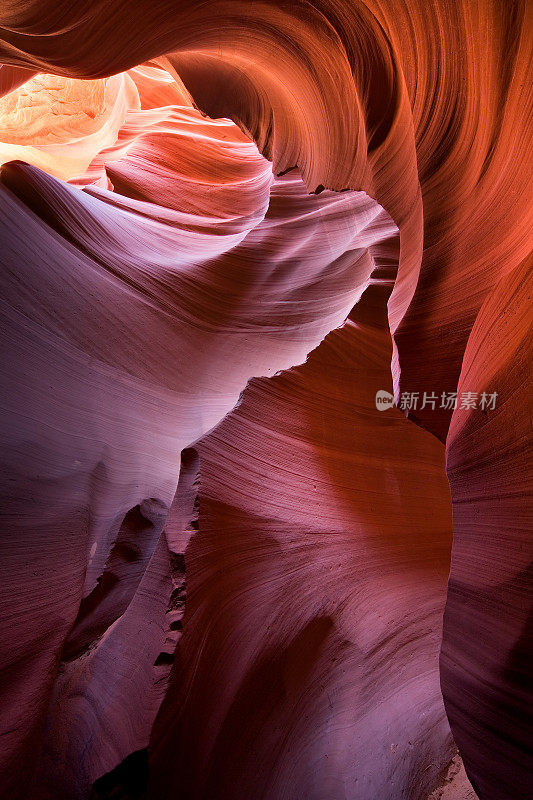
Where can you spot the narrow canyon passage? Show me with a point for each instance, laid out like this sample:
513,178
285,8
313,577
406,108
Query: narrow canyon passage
228,232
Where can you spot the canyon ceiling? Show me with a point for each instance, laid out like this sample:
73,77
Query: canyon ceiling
227,229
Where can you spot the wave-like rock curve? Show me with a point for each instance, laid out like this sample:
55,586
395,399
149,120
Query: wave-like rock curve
225,227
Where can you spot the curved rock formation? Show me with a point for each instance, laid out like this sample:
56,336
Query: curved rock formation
488,637
226,229
307,616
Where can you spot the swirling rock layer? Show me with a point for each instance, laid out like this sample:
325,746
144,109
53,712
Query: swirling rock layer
225,227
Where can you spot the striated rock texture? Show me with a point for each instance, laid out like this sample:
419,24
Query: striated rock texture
343,610
226,571
488,609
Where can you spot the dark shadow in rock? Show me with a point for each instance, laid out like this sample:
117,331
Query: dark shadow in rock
126,564
128,781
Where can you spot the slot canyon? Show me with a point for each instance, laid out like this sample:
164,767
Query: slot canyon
266,432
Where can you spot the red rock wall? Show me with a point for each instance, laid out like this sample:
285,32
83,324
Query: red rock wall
266,617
